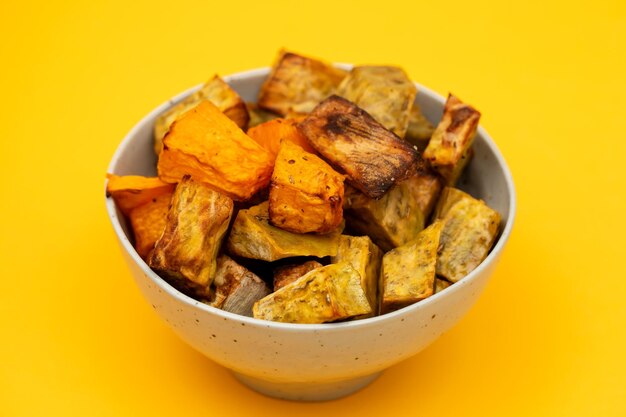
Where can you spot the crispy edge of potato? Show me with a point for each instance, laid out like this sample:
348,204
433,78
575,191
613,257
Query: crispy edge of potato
325,294
197,222
452,138
408,271
286,274
354,144
215,90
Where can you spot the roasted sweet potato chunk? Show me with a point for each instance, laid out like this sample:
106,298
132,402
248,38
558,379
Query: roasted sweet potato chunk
252,236
131,191
385,92
287,274
326,294
398,216
306,194
218,92
408,272
441,284
297,84
365,257
236,288
452,139
210,147
271,133
196,224
419,129
355,144
470,230
148,222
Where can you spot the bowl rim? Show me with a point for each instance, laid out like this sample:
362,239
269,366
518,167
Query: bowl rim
299,327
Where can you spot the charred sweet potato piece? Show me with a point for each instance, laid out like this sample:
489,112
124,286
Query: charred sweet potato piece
148,222
470,230
306,194
355,144
297,84
408,272
210,147
131,191
252,236
326,294
218,92
419,129
452,139
236,288
365,257
271,133
287,274
385,92
196,224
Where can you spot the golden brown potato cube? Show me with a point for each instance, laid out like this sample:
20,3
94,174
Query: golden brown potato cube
326,294
385,92
355,144
365,257
408,272
287,274
470,230
218,92
398,216
420,129
210,147
236,288
252,236
441,284
131,191
452,138
297,84
148,222
196,224
306,194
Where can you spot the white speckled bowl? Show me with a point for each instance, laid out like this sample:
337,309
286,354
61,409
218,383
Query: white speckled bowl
313,362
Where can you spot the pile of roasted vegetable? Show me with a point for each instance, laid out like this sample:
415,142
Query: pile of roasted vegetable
331,198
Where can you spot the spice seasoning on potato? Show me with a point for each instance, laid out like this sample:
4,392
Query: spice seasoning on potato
470,230
408,272
297,84
365,257
218,92
252,236
326,294
287,274
354,144
448,147
236,288
306,194
210,147
148,222
398,216
131,191
196,224
385,92
270,134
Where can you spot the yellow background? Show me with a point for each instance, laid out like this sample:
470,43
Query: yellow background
546,338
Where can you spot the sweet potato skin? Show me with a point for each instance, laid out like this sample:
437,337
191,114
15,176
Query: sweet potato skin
354,144
297,84
207,145
306,194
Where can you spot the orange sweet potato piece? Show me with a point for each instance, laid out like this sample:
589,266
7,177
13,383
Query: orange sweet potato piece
207,145
131,191
271,133
148,222
306,194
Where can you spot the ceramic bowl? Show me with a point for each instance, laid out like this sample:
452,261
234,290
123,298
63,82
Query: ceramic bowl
324,361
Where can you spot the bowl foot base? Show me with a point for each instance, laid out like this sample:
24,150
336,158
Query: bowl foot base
307,391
